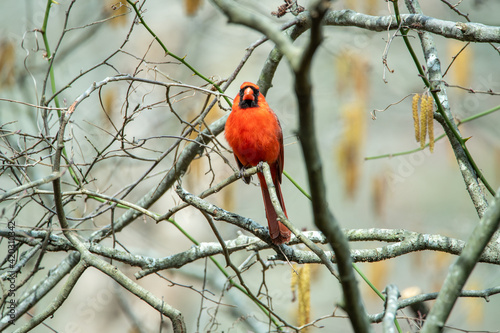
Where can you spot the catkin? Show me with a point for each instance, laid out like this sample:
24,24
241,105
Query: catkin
414,109
423,121
430,121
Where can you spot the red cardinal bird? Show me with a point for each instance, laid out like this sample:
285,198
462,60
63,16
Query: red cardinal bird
254,133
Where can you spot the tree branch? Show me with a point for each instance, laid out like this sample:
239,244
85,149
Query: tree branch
73,277
467,32
29,185
323,217
401,242
437,88
462,268
39,290
403,303
390,308
277,207
88,258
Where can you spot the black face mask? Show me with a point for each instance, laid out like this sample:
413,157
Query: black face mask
249,103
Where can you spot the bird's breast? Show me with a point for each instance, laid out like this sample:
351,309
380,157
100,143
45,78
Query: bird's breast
254,135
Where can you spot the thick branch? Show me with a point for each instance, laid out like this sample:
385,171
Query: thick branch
471,32
221,214
323,217
401,242
275,56
403,303
462,268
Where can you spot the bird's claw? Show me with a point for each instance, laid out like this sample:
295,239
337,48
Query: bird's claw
246,179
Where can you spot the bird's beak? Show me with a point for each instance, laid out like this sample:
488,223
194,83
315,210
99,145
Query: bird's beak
248,94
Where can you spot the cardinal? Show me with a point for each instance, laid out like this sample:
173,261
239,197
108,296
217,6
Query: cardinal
254,133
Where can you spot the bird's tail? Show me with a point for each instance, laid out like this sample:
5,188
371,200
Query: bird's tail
277,230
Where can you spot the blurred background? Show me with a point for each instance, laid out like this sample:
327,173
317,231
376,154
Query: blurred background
422,191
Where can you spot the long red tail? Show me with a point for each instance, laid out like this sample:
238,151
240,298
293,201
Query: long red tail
277,230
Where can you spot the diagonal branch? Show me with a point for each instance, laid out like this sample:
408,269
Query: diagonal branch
323,217
391,307
300,61
39,290
459,272
324,259
469,170
75,274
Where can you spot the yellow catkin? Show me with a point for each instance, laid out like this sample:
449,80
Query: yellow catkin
460,70
496,154
377,273
423,121
192,6
343,65
294,280
304,295
117,8
414,109
349,149
474,306
351,71
371,7
378,194
7,64
352,4
109,97
360,69
430,121
301,284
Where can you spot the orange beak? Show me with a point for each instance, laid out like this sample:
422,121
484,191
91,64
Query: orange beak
248,94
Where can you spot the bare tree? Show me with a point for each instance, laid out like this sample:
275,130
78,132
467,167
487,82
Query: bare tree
100,160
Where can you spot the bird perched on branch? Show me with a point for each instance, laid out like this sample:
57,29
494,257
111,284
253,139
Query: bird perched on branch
254,133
